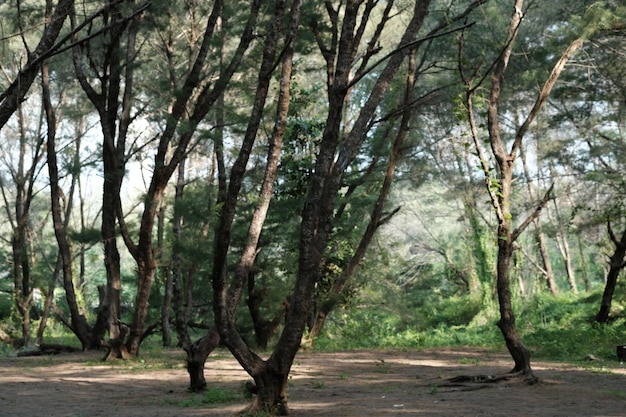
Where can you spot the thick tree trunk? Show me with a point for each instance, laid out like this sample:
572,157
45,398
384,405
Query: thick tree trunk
197,355
271,391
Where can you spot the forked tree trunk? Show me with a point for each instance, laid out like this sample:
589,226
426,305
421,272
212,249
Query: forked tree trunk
271,391
197,354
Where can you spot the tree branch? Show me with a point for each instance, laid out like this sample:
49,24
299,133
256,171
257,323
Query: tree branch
546,198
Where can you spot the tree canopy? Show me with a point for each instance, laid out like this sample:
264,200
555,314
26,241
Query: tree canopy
161,162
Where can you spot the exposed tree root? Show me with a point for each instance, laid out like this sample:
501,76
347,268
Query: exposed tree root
49,349
463,380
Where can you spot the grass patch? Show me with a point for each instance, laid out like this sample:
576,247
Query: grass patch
560,328
212,396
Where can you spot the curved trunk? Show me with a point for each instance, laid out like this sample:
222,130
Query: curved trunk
607,295
616,265
519,352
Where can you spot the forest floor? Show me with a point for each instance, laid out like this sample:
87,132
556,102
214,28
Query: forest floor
372,383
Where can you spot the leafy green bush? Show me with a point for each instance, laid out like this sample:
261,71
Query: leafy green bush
557,328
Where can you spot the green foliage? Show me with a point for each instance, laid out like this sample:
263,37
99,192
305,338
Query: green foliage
563,328
212,396
7,351
6,302
555,328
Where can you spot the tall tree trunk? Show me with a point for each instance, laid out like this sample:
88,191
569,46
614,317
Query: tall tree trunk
563,245
377,217
166,278
181,318
106,100
499,187
79,323
202,97
616,264
270,382
18,212
540,238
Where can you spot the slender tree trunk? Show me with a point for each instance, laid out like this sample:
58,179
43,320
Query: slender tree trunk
22,290
540,239
49,299
178,280
499,187
79,323
519,353
24,178
563,245
616,264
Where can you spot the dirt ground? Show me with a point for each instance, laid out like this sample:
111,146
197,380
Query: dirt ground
342,384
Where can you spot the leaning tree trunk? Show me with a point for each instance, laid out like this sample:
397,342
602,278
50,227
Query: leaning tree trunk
616,264
513,341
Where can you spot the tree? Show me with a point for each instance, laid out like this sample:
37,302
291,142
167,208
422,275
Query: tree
113,74
339,146
499,183
23,163
89,338
409,106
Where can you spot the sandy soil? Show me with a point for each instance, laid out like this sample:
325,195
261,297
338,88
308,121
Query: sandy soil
342,384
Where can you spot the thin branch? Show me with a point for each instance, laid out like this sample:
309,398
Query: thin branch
401,48
535,214
545,92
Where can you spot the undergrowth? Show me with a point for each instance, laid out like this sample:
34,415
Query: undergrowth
552,328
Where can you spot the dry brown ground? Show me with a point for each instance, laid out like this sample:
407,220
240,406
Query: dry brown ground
342,384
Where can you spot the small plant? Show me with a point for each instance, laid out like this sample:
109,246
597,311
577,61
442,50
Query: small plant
318,385
469,361
211,396
615,393
383,367
433,389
